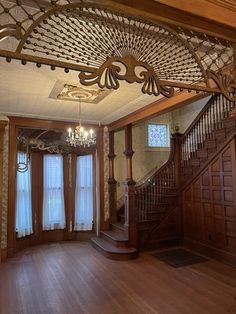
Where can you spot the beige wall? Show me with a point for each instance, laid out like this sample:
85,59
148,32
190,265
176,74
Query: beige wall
184,116
144,158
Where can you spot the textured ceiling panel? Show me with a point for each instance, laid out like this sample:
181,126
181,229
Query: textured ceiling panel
25,91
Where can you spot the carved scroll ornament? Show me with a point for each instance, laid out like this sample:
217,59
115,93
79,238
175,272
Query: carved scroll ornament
109,75
226,82
107,46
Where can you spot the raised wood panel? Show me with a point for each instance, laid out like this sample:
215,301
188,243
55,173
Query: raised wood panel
209,203
168,232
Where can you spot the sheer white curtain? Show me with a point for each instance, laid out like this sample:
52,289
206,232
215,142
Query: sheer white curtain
53,193
84,193
23,221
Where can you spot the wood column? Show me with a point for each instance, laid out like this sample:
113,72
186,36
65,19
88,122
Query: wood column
130,211
2,130
111,180
176,150
69,192
100,176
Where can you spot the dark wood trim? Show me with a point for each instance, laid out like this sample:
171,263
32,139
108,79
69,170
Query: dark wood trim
130,210
3,124
156,108
100,162
3,255
165,13
45,124
11,236
111,180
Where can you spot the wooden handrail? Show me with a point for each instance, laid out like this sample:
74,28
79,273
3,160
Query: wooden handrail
199,115
209,119
159,191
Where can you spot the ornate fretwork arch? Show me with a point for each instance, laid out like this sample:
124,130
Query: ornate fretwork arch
107,46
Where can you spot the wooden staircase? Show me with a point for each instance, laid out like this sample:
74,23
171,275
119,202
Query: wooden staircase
158,197
113,243
190,153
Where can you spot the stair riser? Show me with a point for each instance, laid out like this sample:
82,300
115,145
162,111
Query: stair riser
114,256
210,144
202,154
113,242
118,229
121,219
229,124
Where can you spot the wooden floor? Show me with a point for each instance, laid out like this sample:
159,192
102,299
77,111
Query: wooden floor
75,278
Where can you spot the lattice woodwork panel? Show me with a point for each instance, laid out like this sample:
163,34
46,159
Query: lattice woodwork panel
209,203
107,46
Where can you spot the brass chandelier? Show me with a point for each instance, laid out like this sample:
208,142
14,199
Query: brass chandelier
80,136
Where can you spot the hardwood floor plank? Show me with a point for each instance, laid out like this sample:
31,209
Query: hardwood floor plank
72,277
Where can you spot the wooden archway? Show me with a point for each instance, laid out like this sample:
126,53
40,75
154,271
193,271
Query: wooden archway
106,46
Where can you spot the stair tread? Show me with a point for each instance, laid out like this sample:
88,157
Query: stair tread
116,236
109,248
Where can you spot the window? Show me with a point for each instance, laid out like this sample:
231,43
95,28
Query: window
53,193
158,135
23,221
84,193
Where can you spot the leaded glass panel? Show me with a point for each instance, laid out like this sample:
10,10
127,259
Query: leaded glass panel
158,135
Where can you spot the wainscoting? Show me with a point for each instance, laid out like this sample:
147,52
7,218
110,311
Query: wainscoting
209,206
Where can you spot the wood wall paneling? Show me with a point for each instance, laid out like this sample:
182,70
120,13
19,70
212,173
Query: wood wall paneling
209,203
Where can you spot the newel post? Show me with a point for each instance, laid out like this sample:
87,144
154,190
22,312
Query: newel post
177,157
176,149
130,210
111,180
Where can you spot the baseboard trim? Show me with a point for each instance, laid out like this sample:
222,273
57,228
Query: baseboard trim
3,254
204,249
161,244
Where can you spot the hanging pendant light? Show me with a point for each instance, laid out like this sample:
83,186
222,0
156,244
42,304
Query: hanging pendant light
80,136
22,161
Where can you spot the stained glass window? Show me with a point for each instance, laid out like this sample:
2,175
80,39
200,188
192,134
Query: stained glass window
158,135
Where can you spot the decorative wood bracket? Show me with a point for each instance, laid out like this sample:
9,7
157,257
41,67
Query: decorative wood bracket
107,46
109,74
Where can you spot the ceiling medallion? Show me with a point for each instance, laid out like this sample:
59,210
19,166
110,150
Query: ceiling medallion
73,92
69,91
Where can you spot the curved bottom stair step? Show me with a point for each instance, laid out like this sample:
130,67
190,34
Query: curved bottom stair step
113,252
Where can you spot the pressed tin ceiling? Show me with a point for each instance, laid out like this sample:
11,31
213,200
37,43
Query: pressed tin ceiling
24,91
